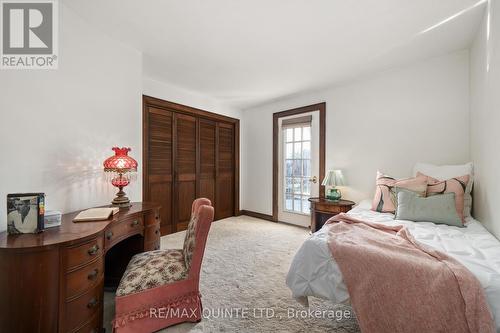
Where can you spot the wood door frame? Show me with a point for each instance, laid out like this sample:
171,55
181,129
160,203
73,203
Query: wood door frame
321,107
148,101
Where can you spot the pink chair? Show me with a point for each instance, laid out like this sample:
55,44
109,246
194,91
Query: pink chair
161,288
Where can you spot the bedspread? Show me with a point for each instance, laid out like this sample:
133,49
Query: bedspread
397,284
314,272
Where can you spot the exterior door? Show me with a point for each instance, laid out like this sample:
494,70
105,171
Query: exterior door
298,167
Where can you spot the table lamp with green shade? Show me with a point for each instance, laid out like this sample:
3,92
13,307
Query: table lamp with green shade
334,178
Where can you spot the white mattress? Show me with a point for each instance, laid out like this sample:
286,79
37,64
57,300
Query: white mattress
314,272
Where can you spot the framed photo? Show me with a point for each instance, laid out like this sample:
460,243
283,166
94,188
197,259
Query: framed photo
25,213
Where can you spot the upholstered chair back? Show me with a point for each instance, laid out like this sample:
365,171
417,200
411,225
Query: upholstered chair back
202,215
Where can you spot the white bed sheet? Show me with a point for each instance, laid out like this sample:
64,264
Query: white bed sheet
314,272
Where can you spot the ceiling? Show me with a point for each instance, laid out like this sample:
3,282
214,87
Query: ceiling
246,53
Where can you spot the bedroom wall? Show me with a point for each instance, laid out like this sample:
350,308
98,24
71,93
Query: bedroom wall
485,119
57,127
387,121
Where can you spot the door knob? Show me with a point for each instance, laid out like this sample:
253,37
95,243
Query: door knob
313,179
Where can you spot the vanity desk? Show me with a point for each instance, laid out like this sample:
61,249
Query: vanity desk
54,281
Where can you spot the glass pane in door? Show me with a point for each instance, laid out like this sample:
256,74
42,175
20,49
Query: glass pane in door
297,168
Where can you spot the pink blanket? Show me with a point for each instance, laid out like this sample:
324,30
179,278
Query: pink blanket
399,285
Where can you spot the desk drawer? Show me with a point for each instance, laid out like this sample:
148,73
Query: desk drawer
331,208
83,308
93,326
123,229
83,279
83,253
152,233
152,218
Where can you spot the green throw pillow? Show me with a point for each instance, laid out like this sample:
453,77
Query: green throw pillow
438,209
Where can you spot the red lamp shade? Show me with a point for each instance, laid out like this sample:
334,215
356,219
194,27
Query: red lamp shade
120,164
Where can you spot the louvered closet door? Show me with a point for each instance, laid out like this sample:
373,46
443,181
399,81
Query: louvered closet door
185,169
207,153
225,171
159,174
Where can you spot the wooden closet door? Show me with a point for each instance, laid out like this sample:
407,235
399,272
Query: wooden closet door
207,154
158,150
225,171
185,139
188,153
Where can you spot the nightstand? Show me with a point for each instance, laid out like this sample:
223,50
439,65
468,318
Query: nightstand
322,209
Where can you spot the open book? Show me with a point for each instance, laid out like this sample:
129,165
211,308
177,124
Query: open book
96,214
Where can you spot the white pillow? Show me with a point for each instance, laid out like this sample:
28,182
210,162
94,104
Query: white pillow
444,172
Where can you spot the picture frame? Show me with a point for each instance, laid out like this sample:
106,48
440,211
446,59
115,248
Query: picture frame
25,213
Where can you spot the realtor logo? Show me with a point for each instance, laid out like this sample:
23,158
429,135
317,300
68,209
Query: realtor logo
29,34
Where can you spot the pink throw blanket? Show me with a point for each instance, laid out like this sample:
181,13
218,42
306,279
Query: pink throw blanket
397,284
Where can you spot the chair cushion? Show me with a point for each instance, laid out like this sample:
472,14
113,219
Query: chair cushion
152,269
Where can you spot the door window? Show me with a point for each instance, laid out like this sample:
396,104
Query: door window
297,168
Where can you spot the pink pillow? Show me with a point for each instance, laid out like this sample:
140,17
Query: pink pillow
455,185
385,199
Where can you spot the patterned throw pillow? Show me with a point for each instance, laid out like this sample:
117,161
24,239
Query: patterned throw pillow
455,185
385,200
189,241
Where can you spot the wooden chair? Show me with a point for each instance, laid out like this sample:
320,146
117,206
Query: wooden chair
161,288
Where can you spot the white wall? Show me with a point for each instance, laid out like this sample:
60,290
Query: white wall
57,127
485,120
387,121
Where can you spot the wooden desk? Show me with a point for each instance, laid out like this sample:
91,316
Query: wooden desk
322,209
53,281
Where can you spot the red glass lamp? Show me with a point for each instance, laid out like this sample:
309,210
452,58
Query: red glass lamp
121,166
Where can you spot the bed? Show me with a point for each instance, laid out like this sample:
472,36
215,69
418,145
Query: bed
313,271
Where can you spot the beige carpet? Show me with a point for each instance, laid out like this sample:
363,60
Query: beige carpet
245,265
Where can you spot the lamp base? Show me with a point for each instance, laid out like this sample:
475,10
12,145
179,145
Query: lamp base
121,200
334,194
